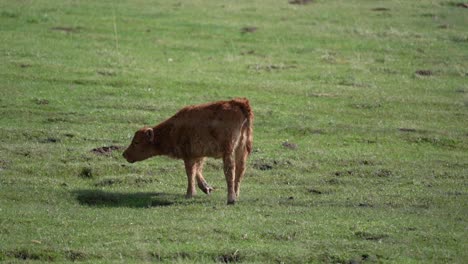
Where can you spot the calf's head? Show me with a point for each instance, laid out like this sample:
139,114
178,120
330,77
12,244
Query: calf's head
142,146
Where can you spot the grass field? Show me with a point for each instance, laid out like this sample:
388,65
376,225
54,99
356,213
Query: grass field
360,141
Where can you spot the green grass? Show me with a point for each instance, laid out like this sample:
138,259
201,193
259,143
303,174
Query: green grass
375,101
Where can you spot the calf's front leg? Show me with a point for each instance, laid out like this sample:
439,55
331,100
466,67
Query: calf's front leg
191,170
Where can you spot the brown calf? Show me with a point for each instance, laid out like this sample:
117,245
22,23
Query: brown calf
220,130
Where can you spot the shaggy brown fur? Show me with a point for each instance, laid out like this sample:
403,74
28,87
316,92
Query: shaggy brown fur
220,130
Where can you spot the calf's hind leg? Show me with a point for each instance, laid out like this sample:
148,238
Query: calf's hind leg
229,173
241,158
201,182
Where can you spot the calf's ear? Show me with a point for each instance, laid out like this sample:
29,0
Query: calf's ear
149,135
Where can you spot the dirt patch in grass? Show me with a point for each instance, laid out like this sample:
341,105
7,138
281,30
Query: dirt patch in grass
316,191
29,255
3,164
66,29
380,9
301,2
155,256
300,130
366,162
106,73
69,135
90,82
233,257
271,67
459,39
56,120
384,173
106,150
190,257
411,130
248,30
463,5
108,182
248,52
86,172
327,95
40,101
49,140
354,83
330,258
431,15
170,258
334,181
365,258
9,14
370,236
358,162
344,173
366,106
433,140
407,129
265,165
279,236
75,255
452,164
424,72
456,193
289,145
142,181
364,173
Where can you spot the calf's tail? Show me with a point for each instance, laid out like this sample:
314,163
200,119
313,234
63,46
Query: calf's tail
244,105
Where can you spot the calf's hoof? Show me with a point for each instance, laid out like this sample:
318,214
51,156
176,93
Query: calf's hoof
233,202
208,190
205,187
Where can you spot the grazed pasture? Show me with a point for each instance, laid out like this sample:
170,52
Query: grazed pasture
361,130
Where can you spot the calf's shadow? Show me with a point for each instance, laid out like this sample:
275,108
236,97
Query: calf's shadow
101,198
